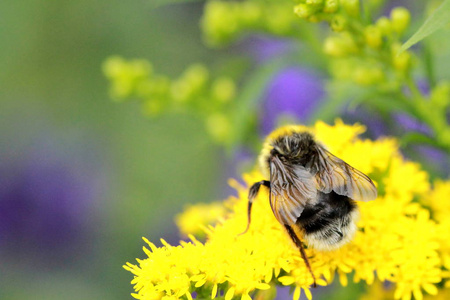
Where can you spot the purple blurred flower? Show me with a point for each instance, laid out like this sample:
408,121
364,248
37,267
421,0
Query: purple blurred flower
406,123
376,126
294,92
46,202
436,159
264,48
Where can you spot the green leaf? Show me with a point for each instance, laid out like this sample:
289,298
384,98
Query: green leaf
418,138
438,19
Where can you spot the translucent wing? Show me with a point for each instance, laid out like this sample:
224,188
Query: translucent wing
333,173
291,188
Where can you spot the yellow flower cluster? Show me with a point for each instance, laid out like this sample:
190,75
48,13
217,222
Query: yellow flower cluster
196,217
224,21
397,241
126,77
195,91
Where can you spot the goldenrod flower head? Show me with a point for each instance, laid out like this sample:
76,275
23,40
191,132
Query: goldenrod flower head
440,94
402,61
196,218
397,238
339,46
190,84
400,17
373,36
223,89
384,25
304,10
352,7
439,200
126,76
224,21
218,126
331,6
338,23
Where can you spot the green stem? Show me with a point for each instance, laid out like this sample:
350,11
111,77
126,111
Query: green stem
412,85
429,67
428,116
311,35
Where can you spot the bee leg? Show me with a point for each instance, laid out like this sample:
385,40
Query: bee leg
253,191
299,245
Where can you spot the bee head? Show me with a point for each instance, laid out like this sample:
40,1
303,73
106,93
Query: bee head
293,146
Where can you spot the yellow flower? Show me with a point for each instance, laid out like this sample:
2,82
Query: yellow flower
196,218
337,137
397,241
125,76
399,187
439,200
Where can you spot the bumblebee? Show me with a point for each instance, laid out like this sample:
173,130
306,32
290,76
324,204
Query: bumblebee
312,192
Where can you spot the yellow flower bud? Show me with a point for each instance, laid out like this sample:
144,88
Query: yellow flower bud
384,25
304,10
223,89
367,75
330,6
190,83
218,126
373,36
338,23
402,61
125,75
180,91
314,2
339,46
219,21
196,76
113,66
351,7
400,17
440,95
158,86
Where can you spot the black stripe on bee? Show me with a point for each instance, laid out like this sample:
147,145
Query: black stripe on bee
330,213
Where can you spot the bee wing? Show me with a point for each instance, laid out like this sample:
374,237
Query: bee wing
291,188
335,174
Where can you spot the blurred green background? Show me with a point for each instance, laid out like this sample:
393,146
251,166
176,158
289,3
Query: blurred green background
116,175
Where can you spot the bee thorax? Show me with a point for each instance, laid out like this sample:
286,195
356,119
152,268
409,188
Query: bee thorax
293,146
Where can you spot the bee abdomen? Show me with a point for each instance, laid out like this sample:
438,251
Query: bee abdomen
330,223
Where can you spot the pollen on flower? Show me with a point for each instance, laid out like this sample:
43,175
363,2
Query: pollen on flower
401,237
